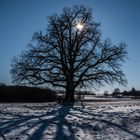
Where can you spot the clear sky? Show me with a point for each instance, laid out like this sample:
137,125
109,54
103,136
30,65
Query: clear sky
120,20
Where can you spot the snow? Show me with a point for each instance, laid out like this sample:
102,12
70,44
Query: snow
81,121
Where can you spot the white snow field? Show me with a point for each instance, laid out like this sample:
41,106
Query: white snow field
81,121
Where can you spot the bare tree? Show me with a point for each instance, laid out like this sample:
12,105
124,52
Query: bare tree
106,93
70,54
117,90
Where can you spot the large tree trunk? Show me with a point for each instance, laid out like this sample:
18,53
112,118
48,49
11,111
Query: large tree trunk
70,82
70,92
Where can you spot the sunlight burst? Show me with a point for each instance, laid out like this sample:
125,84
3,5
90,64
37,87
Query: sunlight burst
79,26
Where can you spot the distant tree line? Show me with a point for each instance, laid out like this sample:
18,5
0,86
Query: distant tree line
132,92
26,94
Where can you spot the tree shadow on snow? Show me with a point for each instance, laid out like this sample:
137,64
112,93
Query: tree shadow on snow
60,121
102,123
37,126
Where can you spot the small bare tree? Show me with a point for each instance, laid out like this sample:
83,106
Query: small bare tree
70,54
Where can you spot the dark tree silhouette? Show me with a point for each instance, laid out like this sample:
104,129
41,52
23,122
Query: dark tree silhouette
117,90
70,54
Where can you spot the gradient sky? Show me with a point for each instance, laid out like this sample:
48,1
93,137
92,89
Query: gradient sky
120,20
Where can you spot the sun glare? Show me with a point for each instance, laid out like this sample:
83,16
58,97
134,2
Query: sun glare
79,26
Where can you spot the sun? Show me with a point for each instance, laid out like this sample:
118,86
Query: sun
79,26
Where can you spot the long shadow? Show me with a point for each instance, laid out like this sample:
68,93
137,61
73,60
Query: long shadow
60,121
20,120
61,133
40,123
107,122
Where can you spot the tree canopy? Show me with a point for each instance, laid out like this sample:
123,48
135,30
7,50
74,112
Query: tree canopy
70,54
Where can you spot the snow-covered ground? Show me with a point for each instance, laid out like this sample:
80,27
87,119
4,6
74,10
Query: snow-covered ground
88,121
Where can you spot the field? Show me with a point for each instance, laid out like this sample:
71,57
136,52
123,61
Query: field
118,120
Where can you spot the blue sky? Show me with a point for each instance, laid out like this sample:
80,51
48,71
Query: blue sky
120,20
